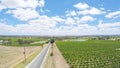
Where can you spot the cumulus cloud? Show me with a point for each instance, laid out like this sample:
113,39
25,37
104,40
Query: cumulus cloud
57,19
81,6
85,9
45,21
10,4
41,3
75,22
5,29
109,28
85,19
91,11
24,14
47,26
22,9
22,3
70,21
2,7
71,13
113,14
109,25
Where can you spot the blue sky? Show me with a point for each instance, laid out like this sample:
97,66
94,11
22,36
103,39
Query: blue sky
59,17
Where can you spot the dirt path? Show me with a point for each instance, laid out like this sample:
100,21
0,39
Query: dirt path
57,60
9,56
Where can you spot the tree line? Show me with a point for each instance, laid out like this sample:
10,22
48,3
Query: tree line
13,42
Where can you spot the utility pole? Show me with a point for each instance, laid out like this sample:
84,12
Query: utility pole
24,53
21,42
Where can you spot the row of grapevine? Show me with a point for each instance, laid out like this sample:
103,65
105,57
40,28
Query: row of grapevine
91,54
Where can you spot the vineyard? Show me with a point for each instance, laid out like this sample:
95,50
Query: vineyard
91,54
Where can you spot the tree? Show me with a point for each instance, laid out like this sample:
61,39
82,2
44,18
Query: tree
20,41
52,41
9,41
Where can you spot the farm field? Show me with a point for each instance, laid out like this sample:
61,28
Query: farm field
10,56
12,50
91,54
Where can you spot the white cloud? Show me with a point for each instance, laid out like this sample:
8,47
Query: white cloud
72,13
109,28
47,10
70,21
81,6
23,9
22,3
58,19
44,21
1,7
102,8
5,29
85,9
44,28
94,11
100,21
85,19
91,11
24,14
41,3
113,14
44,25
109,25
9,3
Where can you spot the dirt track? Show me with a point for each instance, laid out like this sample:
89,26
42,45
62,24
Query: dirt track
57,60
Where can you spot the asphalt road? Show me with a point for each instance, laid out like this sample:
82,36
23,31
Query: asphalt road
39,60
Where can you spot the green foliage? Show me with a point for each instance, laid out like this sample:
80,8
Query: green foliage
21,41
52,41
91,54
51,54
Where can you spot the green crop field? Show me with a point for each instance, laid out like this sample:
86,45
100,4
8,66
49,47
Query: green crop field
91,54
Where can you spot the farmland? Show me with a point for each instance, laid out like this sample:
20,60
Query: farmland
11,56
12,50
91,54
20,41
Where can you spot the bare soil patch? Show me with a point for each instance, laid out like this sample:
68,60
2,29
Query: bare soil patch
10,56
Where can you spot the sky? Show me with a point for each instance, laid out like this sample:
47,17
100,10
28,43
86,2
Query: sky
59,17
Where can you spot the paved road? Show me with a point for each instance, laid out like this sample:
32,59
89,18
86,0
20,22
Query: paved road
39,60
